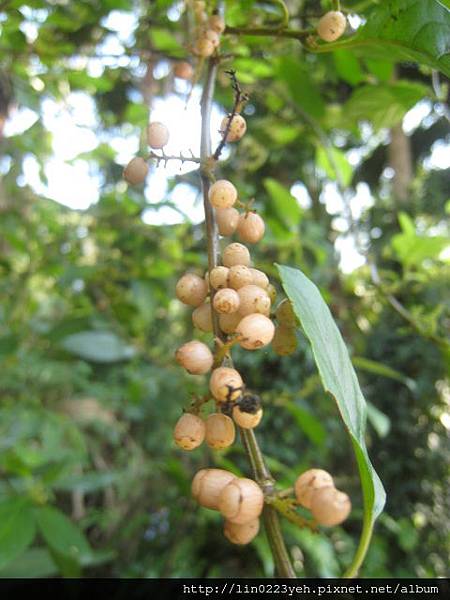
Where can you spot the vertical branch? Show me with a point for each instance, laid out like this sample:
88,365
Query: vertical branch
260,471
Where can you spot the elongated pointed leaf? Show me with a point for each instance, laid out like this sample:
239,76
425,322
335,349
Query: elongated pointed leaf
340,381
17,529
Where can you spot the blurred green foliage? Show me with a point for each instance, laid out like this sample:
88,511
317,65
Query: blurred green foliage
91,483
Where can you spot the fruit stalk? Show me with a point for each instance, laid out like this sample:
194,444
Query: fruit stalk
260,471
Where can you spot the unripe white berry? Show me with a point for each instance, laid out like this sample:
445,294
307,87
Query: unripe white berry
202,317
239,276
259,278
208,484
247,420
329,506
255,331
222,194
189,431
229,323
213,37
157,135
270,289
216,23
241,501
253,299
225,384
195,357
227,220
220,431
331,26
183,70
204,48
241,534
218,278
237,129
310,481
191,289
136,171
251,228
285,313
284,341
226,301
236,254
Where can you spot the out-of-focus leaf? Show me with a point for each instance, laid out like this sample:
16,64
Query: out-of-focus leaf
384,105
378,368
98,346
61,534
311,426
348,67
379,421
284,205
34,562
335,164
17,529
301,86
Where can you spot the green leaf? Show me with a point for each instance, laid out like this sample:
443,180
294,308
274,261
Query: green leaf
98,346
301,86
384,105
17,529
403,30
335,164
339,379
35,562
310,425
373,366
284,205
61,534
379,421
348,67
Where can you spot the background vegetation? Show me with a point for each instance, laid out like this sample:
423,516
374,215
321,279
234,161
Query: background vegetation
90,481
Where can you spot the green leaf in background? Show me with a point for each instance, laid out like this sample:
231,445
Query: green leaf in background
284,205
61,534
17,529
98,346
379,421
348,66
310,425
335,164
404,30
35,562
412,249
384,105
372,366
301,86
339,379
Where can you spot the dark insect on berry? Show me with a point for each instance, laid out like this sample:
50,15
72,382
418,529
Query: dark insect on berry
231,395
227,407
249,403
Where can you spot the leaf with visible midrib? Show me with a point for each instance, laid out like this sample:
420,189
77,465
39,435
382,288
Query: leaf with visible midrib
339,379
404,30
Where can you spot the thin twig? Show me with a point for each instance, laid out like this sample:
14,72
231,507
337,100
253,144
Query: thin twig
239,98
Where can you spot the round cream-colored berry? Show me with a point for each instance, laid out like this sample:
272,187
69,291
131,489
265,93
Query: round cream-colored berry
157,135
241,501
229,323
253,299
218,278
226,384
247,420
213,37
259,278
191,289
239,276
220,431
329,506
189,431
255,331
222,194
236,254
183,70
241,534
204,48
195,357
202,317
227,220
136,171
310,481
216,23
285,313
331,26
236,130
284,341
251,228
208,484
226,301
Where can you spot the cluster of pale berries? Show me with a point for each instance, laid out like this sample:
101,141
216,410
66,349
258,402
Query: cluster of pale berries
208,30
241,500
